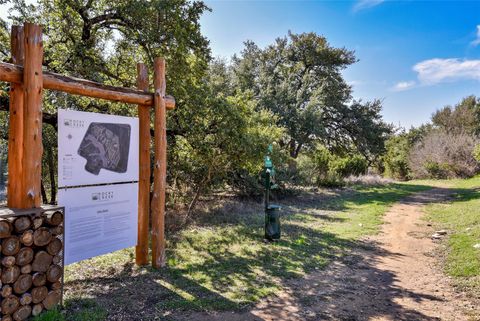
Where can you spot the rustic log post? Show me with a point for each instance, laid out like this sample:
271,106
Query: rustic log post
32,130
15,134
141,250
160,168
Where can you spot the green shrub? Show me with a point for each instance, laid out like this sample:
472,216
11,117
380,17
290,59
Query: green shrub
321,167
436,170
396,157
350,165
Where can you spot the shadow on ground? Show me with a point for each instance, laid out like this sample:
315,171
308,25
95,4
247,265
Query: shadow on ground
222,276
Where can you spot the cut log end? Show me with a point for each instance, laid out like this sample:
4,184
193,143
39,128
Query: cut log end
37,309
54,273
52,300
22,223
26,299
23,284
55,246
41,262
27,238
10,246
42,236
22,313
10,304
54,218
39,294
24,256
10,275
39,279
5,228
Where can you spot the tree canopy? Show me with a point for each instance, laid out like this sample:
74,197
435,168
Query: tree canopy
227,113
299,78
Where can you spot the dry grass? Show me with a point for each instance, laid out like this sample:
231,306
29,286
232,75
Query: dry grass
368,180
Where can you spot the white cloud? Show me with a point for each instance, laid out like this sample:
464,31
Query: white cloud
437,70
365,4
404,85
476,42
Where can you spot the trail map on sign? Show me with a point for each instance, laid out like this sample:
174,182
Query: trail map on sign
106,146
96,148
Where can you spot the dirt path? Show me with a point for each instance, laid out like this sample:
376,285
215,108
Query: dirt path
395,276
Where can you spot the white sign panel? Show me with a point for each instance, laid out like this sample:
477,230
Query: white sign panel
99,219
96,148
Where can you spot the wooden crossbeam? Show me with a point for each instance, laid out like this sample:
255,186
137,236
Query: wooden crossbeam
76,86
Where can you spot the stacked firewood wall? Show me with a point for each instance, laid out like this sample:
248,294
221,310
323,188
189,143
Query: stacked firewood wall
31,263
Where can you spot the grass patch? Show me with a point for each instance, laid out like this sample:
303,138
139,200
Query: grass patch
461,217
87,310
222,262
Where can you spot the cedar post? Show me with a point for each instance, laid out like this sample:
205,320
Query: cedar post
32,130
160,168
141,250
15,134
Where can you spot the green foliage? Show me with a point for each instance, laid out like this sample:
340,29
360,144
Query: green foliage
216,136
396,157
464,117
436,170
299,79
322,167
349,165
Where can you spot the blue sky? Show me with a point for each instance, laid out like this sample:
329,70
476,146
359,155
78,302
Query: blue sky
416,56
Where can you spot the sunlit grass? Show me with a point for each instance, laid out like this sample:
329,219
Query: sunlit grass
461,217
224,263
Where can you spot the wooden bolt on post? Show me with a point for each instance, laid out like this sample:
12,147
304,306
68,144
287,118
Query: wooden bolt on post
15,135
32,128
141,250
160,166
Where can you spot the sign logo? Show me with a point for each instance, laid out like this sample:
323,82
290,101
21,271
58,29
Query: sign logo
102,196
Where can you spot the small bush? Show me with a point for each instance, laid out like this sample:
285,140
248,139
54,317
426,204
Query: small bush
322,168
396,157
350,165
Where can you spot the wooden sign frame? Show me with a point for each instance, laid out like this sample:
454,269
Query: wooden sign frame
25,133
